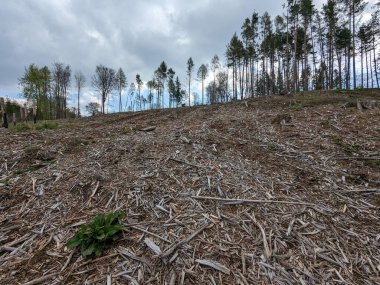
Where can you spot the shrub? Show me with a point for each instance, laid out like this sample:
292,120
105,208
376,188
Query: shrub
94,237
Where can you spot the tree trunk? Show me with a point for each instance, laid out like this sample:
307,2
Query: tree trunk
103,102
362,66
78,101
202,89
339,57
273,74
236,80
366,65
280,87
252,76
163,94
374,61
257,71
353,44
264,77
348,71
246,89
120,102
5,121
287,52
241,75
189,93
305,85
345,68
331,59
295,72
314,55
349,50
370,68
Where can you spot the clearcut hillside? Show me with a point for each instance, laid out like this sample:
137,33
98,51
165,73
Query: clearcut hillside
274,190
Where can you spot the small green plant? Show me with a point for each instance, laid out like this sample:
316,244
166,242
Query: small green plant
325,123
352,147
273,146
296,107
94,237
373,163
337,140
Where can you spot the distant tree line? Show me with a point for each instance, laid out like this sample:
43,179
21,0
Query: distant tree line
302,49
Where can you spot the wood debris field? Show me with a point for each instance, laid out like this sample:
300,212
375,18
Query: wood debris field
277,190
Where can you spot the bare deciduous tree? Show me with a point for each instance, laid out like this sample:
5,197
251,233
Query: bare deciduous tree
104,82
61,83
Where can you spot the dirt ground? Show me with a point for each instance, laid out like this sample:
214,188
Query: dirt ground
279,190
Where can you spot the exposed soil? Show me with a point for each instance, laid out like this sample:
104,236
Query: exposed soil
277,190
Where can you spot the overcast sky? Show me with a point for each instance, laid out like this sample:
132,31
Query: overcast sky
134,35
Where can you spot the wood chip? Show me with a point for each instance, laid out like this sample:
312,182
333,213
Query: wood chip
41,279
214,264
154,247
148,129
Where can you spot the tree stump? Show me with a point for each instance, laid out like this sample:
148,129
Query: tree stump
5,121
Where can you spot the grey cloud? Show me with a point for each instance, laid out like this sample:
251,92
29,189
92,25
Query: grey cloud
134,35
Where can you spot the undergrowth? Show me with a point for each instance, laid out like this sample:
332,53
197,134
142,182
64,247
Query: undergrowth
46,125
25,126
21,127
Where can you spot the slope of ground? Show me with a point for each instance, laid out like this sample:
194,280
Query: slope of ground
280,190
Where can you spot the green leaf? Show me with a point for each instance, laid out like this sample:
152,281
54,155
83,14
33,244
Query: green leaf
114,230
101,236
88,250
74,242
99,250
